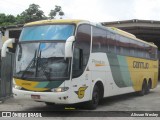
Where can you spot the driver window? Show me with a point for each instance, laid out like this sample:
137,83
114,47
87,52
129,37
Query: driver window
81,49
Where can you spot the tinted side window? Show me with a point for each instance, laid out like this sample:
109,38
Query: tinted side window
123,46
99,43
133,48
111,42
140,49
152,52
146,49
81,49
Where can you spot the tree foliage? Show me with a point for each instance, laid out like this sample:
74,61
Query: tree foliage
7,19
33,13
57,10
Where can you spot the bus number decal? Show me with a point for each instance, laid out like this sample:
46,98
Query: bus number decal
81,92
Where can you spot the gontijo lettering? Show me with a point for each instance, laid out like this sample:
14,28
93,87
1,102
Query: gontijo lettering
141,65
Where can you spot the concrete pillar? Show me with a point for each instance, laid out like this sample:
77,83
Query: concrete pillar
0,40
6,34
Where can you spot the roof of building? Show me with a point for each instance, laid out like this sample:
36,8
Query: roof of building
131,21
146,30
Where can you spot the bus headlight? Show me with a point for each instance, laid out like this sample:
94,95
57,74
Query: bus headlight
60,89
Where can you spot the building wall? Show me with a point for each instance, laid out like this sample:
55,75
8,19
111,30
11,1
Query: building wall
12,33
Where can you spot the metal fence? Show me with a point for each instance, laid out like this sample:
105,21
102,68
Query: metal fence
6,65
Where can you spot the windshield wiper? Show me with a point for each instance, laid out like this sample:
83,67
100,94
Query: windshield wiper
33,61
36,61
42,66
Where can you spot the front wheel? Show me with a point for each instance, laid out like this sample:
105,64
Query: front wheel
95,99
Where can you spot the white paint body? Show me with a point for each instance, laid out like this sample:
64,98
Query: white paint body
91,75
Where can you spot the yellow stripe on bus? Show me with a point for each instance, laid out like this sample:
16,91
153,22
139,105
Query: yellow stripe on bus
29,85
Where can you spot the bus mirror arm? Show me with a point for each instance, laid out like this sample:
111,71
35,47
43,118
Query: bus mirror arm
69,46
5,45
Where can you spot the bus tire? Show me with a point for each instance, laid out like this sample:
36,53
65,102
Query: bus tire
95,99
149,86
144,89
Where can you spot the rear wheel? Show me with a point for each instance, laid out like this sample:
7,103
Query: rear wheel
149,86
95,99
144,89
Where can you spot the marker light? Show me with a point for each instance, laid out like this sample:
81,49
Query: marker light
17,87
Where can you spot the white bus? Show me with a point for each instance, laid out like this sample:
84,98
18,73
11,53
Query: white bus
73,61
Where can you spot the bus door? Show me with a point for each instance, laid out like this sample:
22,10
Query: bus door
80,73
81,77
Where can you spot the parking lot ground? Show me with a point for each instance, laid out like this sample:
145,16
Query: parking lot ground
124,103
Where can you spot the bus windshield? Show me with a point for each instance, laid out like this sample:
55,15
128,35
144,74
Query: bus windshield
41,61
47,32
40,52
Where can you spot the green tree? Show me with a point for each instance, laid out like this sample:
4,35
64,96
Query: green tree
52,14
57,10
7,20
33,13
2,18
10,19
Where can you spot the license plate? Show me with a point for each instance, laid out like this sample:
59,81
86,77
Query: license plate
35,96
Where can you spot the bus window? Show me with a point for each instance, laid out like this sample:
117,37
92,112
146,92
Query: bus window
133,48
140,49
117,43
78,61
99,40
126,46
81,49
111,42
123,46
152,52
47,32
146,48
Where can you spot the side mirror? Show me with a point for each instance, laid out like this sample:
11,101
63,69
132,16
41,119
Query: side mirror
5,45
68,46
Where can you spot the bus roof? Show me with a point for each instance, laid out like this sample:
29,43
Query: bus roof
54,21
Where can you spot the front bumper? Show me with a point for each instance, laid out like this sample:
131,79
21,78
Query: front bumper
53,97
